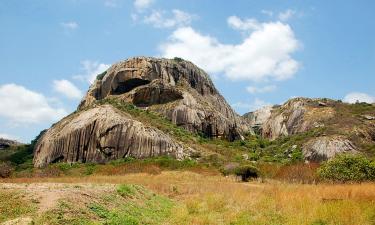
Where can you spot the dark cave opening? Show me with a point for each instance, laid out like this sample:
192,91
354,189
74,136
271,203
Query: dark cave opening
128,85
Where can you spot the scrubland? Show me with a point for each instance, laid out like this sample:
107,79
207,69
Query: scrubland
182,197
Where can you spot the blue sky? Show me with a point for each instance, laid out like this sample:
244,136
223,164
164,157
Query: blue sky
257,52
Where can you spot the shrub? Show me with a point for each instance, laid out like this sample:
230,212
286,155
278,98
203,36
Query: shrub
246,172
5,169
348,168
127,190
177,59
101,76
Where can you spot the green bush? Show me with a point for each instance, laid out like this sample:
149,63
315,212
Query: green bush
348,168
101,76
247,172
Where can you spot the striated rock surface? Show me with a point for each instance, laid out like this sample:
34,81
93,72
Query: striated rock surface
323,148
101,134
175,88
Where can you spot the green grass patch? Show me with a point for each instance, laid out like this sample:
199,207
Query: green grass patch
12,205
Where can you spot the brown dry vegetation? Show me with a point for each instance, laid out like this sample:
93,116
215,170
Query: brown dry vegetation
202,199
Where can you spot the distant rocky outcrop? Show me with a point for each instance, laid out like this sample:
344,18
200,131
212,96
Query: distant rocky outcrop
173,88
6,143
340,127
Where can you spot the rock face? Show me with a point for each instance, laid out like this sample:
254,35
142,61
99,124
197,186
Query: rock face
257,118
296,116
173,87
339,127
101,134
323,148
5,143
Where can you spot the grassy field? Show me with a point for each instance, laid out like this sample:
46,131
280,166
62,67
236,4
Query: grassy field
183,197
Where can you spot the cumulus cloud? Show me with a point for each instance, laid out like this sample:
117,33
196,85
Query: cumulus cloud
90,70
160,19
265,53
21,105
142,4
286,15
354,97
70,25
67,89
252,106
265,89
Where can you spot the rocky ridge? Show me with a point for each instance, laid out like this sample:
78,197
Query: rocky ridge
341,127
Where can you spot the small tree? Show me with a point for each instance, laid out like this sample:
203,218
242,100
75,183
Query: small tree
246,172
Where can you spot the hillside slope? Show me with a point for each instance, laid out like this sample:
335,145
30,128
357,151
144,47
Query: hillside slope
338,127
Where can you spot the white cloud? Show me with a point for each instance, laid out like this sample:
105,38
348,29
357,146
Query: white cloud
90,70
8,136
159,19
265,89
21,105
244,25
286,15
67,88
265,53
353,97
142,4
250,107
70,25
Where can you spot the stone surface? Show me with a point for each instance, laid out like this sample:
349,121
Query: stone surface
296,116
175,88
6,143
323,148
338,127
101,134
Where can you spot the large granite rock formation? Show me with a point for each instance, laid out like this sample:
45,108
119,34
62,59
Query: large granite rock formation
173,88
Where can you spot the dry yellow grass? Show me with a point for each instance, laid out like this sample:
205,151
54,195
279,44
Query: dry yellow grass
202,199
